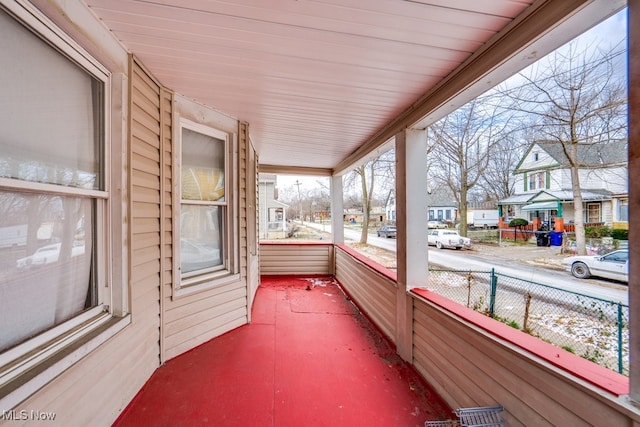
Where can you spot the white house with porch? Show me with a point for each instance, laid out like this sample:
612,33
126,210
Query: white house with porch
543,184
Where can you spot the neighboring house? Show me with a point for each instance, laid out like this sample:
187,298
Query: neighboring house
543,184
442,206
355,216
272,213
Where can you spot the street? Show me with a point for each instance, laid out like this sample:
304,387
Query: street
472,260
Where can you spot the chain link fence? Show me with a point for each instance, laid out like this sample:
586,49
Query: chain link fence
593,328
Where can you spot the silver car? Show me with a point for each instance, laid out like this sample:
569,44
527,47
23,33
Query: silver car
614,265
387,231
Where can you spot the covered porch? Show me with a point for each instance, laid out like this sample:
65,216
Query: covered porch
294,87
313,355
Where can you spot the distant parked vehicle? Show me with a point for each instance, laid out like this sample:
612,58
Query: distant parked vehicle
485,218
447,239
387,231
436,224
614,265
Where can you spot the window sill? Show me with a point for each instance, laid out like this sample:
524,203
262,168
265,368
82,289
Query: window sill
17,390
203,284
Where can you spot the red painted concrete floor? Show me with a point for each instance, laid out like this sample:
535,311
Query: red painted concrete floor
308,358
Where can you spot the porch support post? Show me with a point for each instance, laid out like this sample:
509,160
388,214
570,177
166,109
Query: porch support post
337,210
411,222
633,56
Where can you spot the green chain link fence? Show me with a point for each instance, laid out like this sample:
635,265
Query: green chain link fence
593,328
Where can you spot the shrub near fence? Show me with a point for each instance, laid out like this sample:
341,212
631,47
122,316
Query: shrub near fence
592,328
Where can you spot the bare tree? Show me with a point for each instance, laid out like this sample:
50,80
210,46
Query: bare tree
497,180
578,99
374,177
461,146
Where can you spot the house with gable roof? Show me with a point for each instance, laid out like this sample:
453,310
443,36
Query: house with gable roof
543,184
441,204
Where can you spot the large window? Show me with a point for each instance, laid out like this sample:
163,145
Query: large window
57,231
53,197
204,250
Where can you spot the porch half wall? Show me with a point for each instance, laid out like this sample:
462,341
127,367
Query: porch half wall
470,364
281,259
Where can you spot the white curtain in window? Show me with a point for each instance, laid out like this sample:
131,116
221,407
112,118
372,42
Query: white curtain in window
45,262
48,112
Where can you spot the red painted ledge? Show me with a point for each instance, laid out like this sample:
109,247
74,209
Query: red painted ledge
599,376
388,273
297,243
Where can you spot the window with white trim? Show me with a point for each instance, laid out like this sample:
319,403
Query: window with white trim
623,210
54,198
204,251
537,181
593,212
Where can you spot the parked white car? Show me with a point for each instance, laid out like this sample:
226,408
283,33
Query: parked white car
47,255
614,265
447,239
436,224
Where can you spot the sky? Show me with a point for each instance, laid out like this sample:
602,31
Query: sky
306,182
608,33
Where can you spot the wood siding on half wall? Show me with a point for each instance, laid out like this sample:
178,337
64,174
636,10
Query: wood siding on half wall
373,293
469,367
296,258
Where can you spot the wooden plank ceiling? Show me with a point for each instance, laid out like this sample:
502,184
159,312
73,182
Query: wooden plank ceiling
322,82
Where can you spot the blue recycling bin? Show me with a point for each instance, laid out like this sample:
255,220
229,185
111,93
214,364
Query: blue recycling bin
555,238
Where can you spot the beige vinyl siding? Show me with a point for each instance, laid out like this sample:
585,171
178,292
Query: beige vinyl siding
111,375
193,319
243,150
471,368
282,259
372,292
145,238
166,203
145,204
250,177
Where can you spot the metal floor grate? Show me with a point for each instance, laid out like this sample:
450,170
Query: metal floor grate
486,416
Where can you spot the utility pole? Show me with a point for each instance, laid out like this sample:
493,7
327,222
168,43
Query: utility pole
298,184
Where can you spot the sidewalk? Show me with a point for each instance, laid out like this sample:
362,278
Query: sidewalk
548,256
